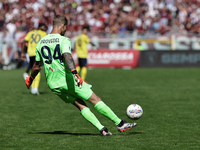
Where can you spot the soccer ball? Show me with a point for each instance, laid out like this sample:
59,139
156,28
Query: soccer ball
134,111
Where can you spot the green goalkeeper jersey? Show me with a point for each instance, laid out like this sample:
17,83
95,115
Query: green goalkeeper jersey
49,50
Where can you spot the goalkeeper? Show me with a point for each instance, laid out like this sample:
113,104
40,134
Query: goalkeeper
54,50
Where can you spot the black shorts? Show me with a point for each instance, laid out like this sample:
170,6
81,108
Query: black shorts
82,62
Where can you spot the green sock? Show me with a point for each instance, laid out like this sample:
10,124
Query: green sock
88,115
106,111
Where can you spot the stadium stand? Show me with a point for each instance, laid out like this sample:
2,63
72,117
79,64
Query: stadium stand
113,18
104,18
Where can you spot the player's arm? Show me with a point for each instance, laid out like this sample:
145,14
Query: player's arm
92,43
96,46
86,39
35,70
70,62
24,45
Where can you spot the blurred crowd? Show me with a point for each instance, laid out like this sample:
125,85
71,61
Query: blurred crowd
104,18
108,18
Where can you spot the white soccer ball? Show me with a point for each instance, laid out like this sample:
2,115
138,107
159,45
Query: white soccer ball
134,111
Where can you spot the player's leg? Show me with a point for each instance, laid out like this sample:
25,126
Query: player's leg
86,93
83,72
89,116
25,74
78,68
83,65
29,67
103,108
85,111
35,84
106,111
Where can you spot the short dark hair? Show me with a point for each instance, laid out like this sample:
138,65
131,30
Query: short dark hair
59,19
85,27
42,24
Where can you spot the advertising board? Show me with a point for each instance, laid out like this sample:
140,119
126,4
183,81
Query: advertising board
112,58
170,58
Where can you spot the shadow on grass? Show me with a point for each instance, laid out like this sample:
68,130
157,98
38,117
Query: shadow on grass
132,133
78,134
62,132
29,93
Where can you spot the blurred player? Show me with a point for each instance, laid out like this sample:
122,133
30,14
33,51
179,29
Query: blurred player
54,50
81,49
31,40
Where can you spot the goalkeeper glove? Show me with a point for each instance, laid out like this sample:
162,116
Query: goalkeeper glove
29,81
79,81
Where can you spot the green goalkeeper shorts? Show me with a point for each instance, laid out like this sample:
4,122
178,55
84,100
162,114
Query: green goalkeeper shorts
70,95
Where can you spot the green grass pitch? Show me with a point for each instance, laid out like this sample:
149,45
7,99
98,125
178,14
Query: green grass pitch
170,99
